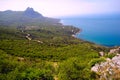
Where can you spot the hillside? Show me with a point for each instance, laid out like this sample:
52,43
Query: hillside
27,17
41,48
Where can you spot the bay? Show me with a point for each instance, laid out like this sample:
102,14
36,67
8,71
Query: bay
100,30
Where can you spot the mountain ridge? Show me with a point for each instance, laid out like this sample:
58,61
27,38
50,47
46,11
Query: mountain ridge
27,17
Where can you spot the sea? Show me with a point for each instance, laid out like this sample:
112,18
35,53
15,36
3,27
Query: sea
102,30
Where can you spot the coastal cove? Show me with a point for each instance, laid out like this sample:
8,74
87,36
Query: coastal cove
99,30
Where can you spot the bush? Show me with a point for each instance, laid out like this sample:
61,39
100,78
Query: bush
73,69
95,61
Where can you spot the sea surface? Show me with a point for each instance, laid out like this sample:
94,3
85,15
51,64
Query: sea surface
101,30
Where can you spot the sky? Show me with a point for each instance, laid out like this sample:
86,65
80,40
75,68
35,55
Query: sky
56,8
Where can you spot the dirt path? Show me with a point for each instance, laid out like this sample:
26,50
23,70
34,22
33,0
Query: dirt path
28,37
55,65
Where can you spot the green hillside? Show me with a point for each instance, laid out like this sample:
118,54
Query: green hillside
44,50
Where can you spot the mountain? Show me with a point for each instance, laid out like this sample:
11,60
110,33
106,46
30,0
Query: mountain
27,17
31,13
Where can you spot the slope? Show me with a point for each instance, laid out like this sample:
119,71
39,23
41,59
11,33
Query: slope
43,49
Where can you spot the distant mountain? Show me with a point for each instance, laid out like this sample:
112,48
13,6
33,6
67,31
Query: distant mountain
31,13
27,17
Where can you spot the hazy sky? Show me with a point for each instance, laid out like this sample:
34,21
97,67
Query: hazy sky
52,8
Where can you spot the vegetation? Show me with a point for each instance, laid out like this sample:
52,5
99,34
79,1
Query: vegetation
60,55
44,51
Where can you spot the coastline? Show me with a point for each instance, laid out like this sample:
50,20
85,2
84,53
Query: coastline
74,35
96,31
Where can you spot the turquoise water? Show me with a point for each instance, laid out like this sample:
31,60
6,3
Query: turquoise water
102,31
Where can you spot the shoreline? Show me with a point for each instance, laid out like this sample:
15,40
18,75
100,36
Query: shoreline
74,35
103,42
105,45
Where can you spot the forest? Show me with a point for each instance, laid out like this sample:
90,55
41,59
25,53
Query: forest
44,49
51,54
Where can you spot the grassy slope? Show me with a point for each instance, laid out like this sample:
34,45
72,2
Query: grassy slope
60,56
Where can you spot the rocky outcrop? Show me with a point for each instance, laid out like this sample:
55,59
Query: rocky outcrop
108,70
101,53
115,51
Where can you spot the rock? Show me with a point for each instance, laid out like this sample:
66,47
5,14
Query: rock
73,35
109,69
101,53
95,68
108,59
21,59
116,60
115,51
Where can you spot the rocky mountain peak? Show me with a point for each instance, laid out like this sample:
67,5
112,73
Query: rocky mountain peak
30,9
31,13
